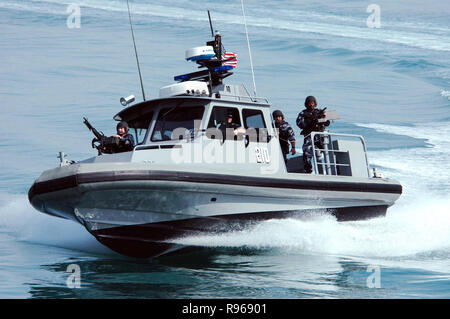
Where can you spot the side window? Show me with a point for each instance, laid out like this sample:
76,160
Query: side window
253,118
255,125
223,120
219,115
176,122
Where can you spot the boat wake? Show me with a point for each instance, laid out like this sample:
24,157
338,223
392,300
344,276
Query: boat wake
418,223
423,169
408,229
21,222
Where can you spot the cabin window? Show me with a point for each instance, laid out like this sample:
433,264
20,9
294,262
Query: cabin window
140,127
218,122
175,123
253,118
255,125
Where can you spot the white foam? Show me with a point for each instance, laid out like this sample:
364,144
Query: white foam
32,7
21,221
446,94
408,229
422,170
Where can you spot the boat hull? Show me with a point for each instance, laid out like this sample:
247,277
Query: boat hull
155,239
138,213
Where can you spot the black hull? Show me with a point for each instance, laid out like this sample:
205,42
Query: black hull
153,239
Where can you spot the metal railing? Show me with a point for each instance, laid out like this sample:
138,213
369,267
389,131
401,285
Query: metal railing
241,98
329,159
247,98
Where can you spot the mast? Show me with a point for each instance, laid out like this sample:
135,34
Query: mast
249,50
215,70
135,52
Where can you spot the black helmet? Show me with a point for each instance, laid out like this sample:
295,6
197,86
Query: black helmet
123,124
230,113
277,113
310,99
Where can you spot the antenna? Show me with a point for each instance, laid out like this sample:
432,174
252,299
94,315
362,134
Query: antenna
249,51
210,24
135,51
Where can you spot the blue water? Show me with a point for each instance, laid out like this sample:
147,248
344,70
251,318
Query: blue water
390,84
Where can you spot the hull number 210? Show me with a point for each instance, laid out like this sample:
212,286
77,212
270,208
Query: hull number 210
262,155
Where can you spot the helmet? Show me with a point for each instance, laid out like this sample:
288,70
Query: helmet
310,99
123,124
229,113
277,113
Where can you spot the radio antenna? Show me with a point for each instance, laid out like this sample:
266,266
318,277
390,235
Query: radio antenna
210,24
135,51
249,51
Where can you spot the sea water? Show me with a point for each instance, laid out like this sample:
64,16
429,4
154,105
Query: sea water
384,68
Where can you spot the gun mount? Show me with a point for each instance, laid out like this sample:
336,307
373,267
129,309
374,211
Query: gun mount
103,144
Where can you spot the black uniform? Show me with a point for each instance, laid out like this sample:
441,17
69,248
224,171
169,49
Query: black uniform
286,135
126,143
223,128
307,120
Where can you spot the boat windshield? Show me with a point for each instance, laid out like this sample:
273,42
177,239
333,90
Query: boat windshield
176,120
140,126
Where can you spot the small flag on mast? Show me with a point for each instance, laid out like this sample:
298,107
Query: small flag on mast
231,58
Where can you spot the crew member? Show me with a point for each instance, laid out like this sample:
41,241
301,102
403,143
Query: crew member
125,140
228,125
286,134
308,121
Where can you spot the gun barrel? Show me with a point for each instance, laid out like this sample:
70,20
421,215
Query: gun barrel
86,122
91,128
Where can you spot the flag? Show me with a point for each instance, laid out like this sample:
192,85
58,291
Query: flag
231,57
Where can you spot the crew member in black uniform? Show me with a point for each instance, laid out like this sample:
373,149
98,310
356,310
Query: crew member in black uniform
125,140
308,121
230,126
285,132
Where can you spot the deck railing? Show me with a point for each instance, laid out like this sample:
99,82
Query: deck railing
339,154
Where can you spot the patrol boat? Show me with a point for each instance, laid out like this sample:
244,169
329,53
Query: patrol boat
184,176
